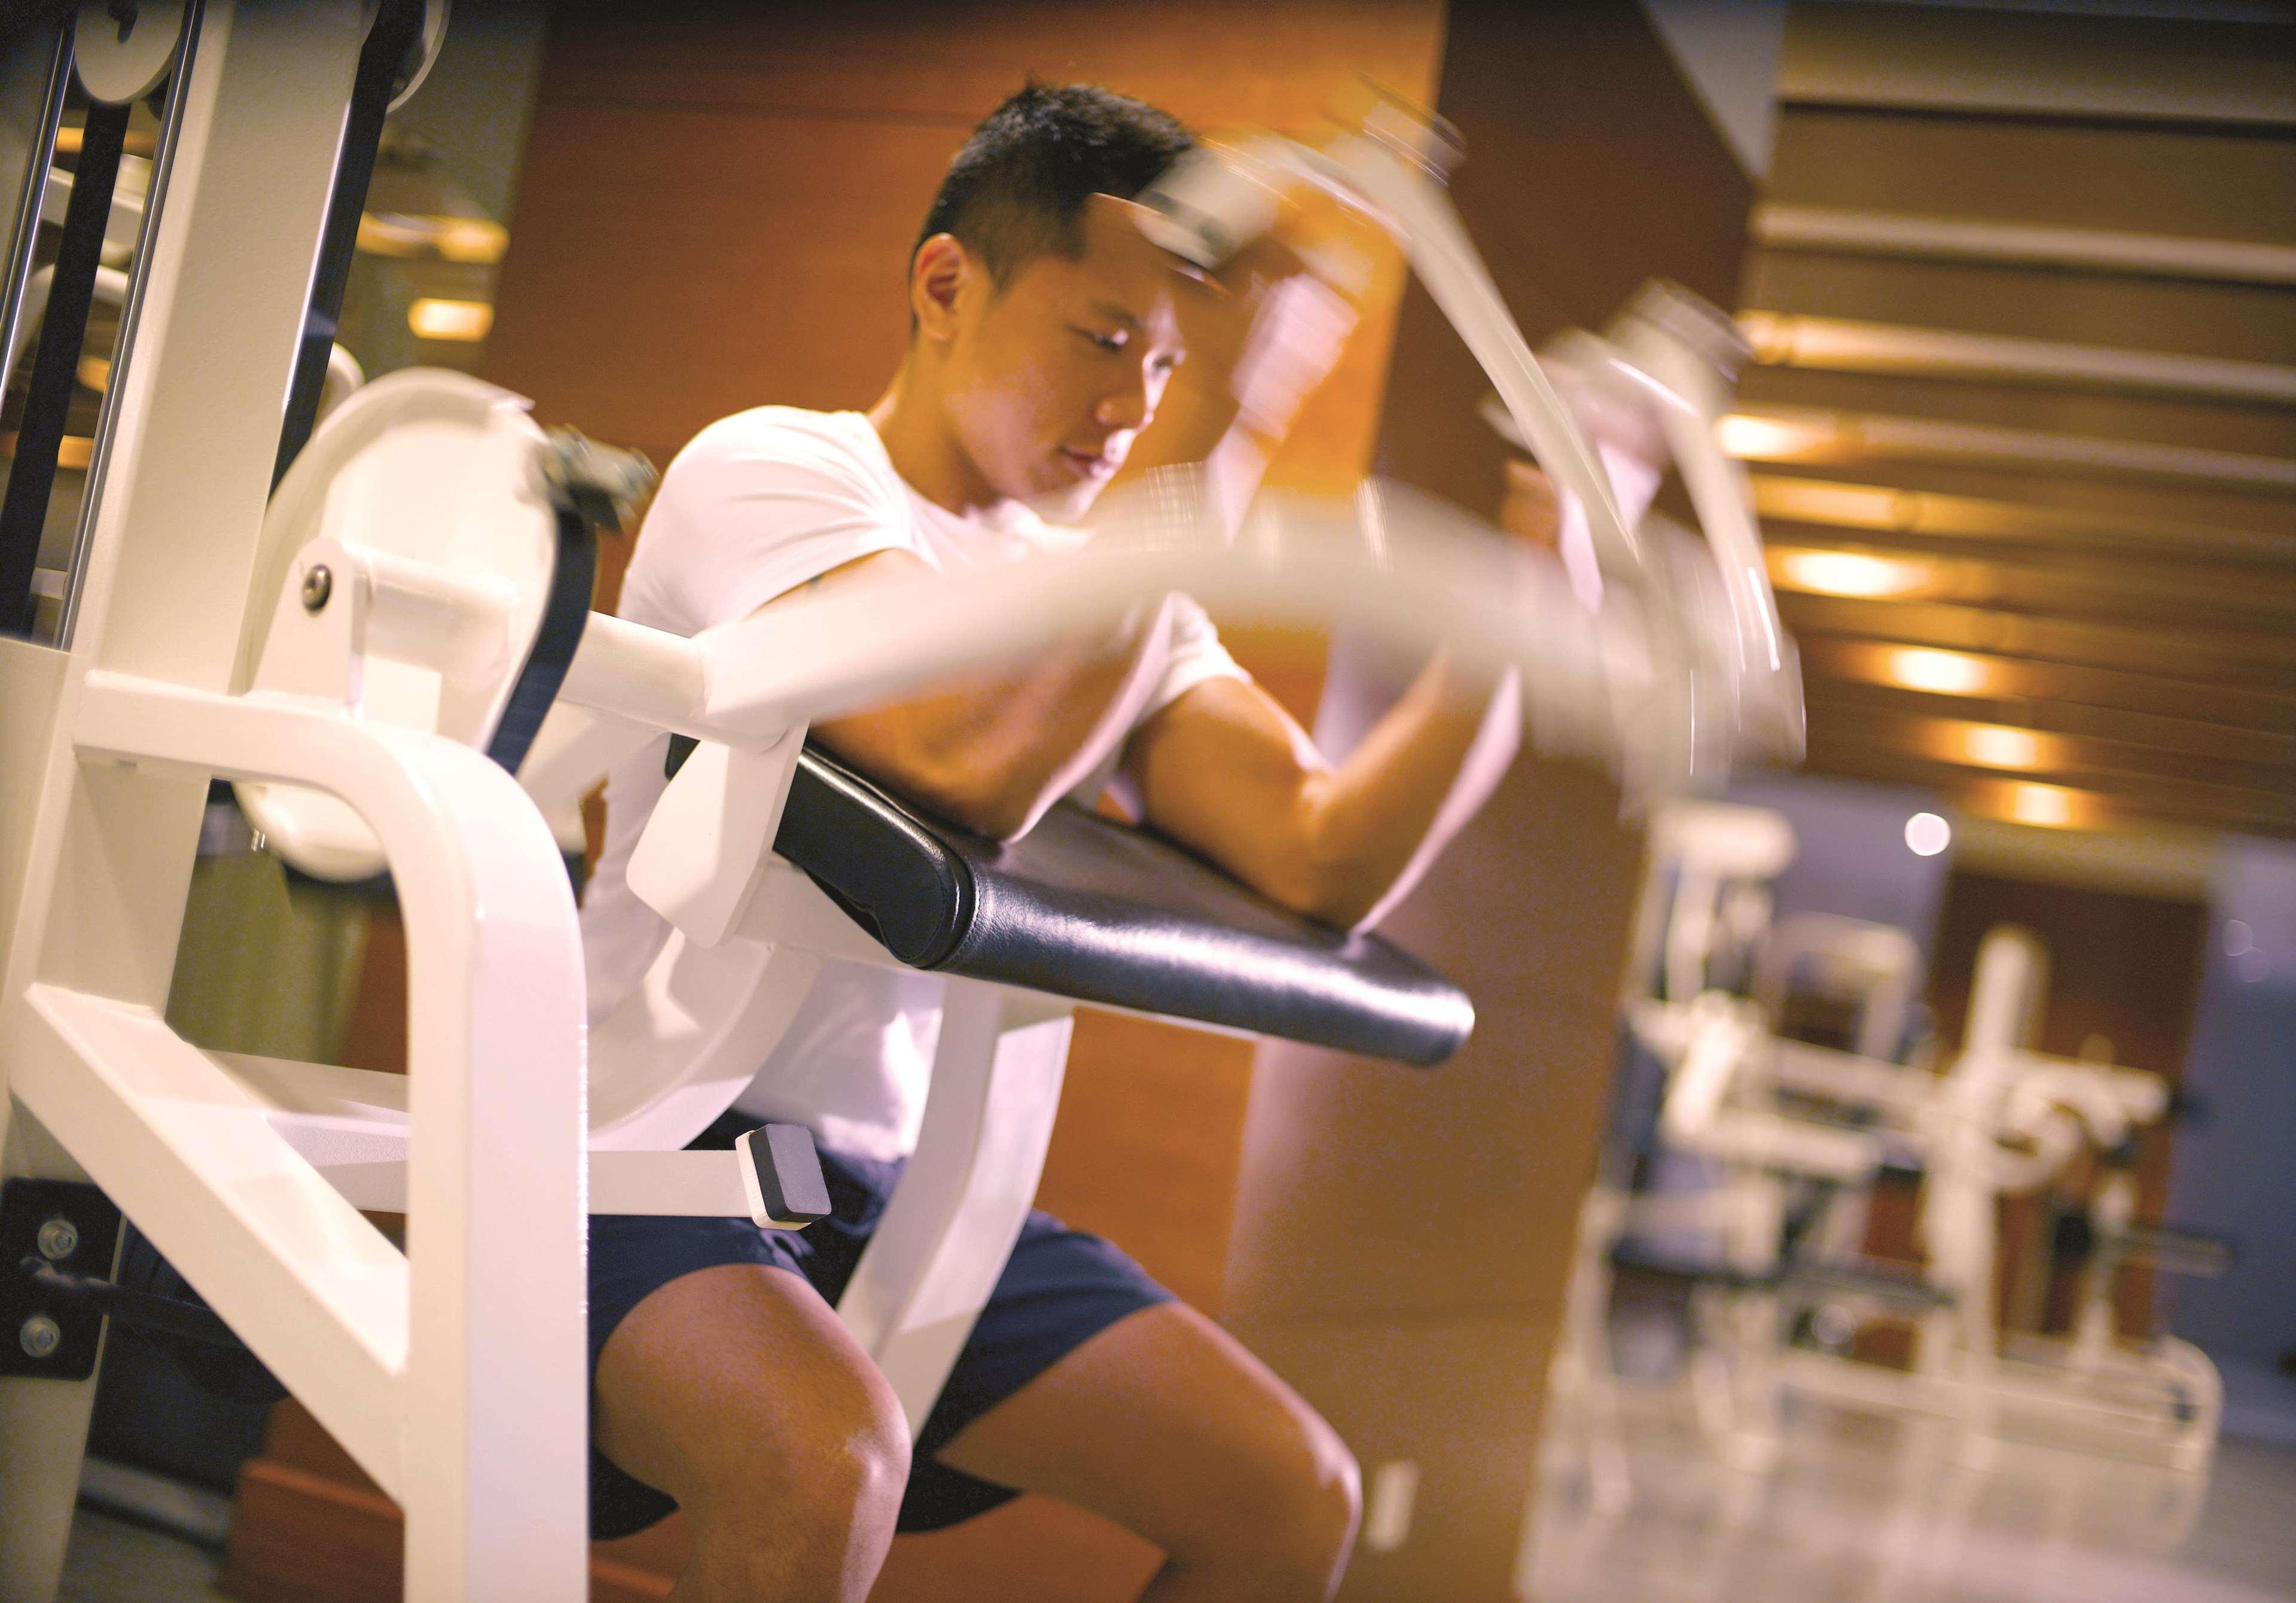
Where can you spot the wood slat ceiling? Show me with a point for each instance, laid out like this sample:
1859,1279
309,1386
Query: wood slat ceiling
2055,581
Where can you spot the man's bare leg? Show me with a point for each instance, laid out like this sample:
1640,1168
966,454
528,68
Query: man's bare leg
736,1391
1165,1424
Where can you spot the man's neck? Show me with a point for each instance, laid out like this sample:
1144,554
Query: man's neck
924,452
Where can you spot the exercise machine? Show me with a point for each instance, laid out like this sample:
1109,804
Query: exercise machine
377,628
1798,1132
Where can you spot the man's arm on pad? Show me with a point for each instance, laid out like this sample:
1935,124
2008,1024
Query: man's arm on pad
1226,772
988,751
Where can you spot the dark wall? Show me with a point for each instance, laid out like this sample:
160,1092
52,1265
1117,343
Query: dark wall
1590,167
1401,1240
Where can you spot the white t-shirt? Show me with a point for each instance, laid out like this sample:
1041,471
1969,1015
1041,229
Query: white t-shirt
759,503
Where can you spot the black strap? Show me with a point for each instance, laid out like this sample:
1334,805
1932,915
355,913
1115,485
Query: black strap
565,612
397,31
32,478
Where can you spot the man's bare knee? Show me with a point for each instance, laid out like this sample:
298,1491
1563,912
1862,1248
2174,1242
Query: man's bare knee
736,1391
1291,1526
844,1466
1315,1506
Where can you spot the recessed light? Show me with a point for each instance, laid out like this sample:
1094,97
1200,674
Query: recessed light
1927,834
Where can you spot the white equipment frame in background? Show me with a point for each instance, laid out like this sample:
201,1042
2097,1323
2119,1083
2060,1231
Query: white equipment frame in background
2000,1121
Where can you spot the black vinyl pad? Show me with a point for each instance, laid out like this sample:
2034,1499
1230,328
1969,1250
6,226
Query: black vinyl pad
1083,907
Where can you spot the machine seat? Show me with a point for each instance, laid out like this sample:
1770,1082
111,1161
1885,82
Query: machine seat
1085,908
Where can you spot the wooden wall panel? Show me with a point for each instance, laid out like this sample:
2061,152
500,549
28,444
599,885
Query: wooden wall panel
1590,166
1401,1240
2069,174
718,214
2243,322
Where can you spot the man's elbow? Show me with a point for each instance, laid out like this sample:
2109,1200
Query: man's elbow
950,784
982,803
1343,907
1332,894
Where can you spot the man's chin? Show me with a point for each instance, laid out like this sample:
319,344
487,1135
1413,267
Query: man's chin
1066,503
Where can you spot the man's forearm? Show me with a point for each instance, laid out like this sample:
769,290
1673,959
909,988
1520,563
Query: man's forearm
1372,825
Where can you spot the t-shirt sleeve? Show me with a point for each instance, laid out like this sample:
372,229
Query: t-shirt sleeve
1192,654
757,507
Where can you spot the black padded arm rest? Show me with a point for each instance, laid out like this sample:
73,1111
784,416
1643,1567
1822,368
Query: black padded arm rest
1083,907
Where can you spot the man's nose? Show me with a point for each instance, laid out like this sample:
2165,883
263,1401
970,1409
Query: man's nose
1128,408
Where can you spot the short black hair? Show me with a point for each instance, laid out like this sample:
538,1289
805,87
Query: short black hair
1017,188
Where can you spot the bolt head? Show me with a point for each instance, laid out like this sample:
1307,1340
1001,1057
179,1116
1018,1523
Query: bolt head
318,584
59,1239
39,1336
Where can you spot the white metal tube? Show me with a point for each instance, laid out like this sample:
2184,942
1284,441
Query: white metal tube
1847,1077
1717,487
423,613
494,1354
820,656
645,674
1444,258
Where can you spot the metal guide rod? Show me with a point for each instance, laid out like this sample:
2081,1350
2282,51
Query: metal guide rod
16,271
394,30
32,477
128,293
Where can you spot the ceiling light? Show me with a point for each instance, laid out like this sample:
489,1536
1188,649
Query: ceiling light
1846,573
1999,746
1756,438
407,235
1942,672
1927,834
73,451
464,320
2050,806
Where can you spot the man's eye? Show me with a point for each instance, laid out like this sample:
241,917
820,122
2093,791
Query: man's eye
1115,342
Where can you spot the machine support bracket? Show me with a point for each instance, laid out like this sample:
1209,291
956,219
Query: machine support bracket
53,1233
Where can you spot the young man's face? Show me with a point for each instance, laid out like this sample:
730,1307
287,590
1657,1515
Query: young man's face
1051,380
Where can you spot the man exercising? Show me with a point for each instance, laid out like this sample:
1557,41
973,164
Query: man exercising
1044,330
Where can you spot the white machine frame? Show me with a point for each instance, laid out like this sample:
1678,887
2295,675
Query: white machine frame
2001,1121
455,1372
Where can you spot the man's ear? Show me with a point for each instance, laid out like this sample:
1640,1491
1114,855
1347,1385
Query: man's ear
939,275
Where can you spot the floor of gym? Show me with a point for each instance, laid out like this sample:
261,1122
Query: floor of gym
1862,1510
1868,1508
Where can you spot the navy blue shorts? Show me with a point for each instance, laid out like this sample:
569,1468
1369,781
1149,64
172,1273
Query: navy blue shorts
1060,1288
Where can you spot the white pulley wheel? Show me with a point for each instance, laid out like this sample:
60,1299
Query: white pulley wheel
123,48
433,35
432,470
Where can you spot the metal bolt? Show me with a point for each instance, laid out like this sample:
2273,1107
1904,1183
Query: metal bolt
318,584
59,1239
40,1335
